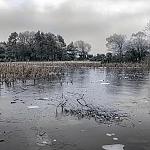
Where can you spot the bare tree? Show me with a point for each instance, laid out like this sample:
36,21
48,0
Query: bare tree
83,48
147,33
140,44
115,44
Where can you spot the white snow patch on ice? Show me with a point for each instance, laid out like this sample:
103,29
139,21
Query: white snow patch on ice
113,147
33,107
105,83
115,139
110,134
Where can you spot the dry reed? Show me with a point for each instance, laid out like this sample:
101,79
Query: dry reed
12,71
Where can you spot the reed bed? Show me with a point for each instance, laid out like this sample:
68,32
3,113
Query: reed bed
12,71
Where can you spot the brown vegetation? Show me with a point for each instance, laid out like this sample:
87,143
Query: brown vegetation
11,71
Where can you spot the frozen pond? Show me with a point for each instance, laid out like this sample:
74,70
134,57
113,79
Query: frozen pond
31,115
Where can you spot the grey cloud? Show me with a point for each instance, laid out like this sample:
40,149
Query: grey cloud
73,22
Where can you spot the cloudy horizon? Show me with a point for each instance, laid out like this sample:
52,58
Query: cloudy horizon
91,21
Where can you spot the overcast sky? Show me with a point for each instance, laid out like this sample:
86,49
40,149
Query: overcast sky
88,20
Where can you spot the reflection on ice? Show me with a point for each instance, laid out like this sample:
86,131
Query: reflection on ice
43,140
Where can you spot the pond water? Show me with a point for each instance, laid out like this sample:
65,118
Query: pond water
29,119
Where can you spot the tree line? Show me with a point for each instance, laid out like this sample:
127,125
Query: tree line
40,46
121,48
133,49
